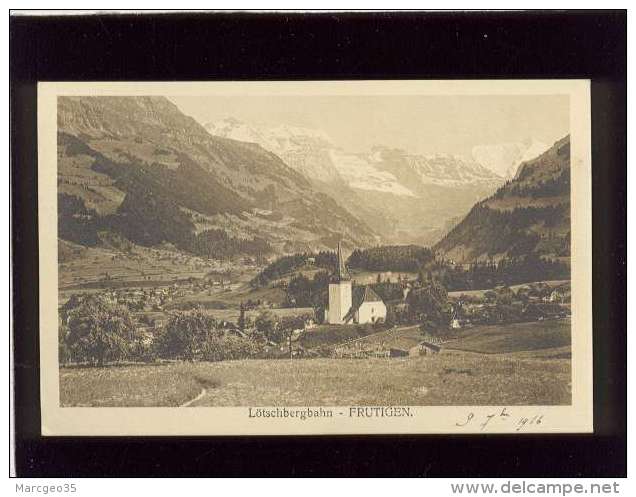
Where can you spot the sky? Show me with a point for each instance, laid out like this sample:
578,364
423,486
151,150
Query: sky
417,124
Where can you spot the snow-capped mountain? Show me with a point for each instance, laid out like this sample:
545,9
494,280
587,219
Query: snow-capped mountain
400,194
450,170
505,158
361,172
312,153
281,137
421,171
304,149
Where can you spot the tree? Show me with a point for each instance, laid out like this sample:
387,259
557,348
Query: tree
320,292
267,324
186,334
99,331
291,323
64,354
429,305
241,319
299,291
287,326
505,295
490,296
390,258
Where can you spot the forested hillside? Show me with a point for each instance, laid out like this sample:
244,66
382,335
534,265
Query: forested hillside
530,214
138,168
390,258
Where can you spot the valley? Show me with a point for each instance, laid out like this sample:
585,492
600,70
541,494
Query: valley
208,253
405,197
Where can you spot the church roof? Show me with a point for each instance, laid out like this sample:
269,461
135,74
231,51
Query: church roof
361,294
364,294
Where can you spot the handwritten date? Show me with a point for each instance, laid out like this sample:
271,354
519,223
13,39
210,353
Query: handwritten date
518,423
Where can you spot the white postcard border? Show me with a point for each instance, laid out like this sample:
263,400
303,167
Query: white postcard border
91,421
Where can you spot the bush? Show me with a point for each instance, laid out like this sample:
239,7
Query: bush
195,336
64,352
99,331
144,352
429,304
268,325
504,295
228,347
184,335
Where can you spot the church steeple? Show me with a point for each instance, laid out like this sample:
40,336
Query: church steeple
341,270
340,288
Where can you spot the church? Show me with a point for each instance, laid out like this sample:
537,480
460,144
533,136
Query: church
349,305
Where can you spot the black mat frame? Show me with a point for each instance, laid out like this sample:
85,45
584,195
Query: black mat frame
281,46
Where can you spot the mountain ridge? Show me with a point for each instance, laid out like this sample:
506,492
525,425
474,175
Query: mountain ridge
530,214
405,197
292,142
140,162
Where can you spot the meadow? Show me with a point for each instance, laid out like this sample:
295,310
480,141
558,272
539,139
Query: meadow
368,277
522,363
517,371
514,288
233,314
95,268
231,299
515,337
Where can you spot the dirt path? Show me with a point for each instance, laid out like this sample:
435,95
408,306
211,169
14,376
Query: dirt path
190,402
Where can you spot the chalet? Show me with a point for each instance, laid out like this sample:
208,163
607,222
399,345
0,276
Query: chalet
421,349
424,348
236,332
395,352
159,322
146,334
405,291
560,295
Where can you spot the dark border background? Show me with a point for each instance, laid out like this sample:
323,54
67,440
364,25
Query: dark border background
402,45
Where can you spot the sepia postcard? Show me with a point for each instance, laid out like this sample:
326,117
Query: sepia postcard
318,257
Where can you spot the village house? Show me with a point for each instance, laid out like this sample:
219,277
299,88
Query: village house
421,349
559,295
424,348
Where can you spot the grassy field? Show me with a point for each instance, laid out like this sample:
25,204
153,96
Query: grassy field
398,338
480,293
137,385
333,334
524,363
369,277
517,337
86,268
232,299
233,314
123,270
449,378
